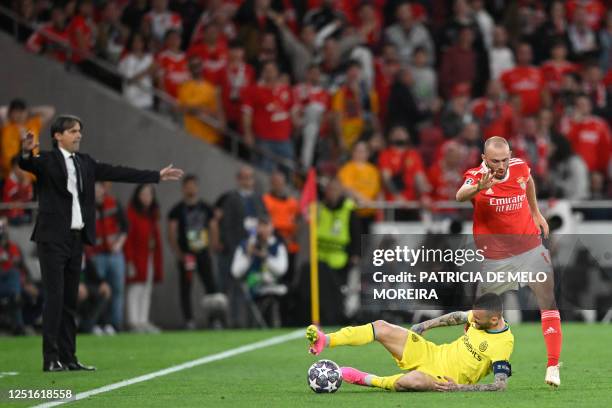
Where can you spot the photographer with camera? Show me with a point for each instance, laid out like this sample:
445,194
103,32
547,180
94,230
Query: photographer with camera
261,260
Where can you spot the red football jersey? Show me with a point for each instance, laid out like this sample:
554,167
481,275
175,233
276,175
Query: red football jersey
553,73
173,67
495,118
306,94
404,165
79,25
595,11
214,59
233,80
527,83
591,140
50,40
271,111
503,225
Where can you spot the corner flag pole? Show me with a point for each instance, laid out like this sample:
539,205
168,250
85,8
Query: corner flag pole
314,265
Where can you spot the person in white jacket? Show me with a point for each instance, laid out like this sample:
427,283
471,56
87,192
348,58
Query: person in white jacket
260,261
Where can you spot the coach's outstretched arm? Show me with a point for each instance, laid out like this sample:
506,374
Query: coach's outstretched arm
500,384
471,187
27,161
450,319
108,172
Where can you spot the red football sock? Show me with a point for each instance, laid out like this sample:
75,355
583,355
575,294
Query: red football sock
551,329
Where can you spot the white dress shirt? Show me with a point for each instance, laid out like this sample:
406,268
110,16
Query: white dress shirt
77,217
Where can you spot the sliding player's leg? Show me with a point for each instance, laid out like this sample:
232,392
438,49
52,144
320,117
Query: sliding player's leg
391,336
412,381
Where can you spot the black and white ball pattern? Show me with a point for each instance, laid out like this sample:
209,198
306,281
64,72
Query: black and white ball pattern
324,376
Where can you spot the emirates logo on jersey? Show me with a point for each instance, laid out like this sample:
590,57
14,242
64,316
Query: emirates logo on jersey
504,204
522,182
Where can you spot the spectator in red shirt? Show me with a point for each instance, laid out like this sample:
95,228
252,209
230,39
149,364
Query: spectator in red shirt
17,189
532,146
445,175
159,20
494,115
51,38
386,67
589,136
212,51
403,172
459,63
267,114
313,104
143,255
217,11
369,24
525,81
107,253
172,64
81,31
593,10
554,69
237,76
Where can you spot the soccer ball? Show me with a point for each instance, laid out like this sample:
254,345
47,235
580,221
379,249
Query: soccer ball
324,376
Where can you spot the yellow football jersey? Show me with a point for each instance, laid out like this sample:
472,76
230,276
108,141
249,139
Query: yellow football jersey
470,358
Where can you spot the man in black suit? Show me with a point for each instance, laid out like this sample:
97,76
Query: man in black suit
66,221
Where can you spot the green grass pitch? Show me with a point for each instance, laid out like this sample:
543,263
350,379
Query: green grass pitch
276,376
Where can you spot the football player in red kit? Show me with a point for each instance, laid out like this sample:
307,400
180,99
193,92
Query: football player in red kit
507,219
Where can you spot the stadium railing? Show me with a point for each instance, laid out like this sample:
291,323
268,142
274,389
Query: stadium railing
236,139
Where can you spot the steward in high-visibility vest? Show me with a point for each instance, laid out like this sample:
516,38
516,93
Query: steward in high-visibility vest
337,237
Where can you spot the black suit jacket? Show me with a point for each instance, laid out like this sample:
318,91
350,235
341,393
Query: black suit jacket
55,201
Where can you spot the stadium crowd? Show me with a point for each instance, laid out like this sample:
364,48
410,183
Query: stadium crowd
391,100
306,80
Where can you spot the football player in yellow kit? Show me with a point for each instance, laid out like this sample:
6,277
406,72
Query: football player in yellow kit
485,346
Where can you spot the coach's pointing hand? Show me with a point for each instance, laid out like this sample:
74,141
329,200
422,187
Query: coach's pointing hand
27,142
170,173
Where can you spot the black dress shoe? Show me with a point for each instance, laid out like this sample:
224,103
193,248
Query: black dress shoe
54,366
77,366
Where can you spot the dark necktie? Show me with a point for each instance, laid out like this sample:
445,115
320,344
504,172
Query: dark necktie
77,167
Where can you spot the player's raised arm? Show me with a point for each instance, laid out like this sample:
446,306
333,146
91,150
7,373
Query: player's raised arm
471,186
449,319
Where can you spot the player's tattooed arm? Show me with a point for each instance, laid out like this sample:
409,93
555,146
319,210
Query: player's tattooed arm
450,319
500,384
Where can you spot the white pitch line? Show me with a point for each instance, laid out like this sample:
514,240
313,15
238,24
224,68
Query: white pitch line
189,364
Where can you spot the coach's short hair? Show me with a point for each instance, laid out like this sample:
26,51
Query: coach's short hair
62,123
489,302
